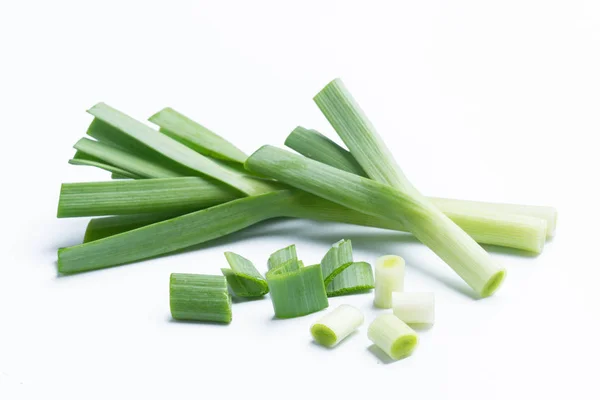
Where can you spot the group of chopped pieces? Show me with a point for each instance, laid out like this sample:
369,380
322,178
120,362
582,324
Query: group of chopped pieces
296,290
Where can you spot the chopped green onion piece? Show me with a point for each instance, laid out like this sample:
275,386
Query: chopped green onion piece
199,298
414,308
338,258
81,158
427,223
113,155
393,336
173,195
173,234
355,278
243,278
282,256
343,276
99,228
296,290
314,145
148,138
196,136
334,327
424,220
389,277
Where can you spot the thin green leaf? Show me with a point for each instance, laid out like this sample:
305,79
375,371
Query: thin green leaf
173,195
196,136
282,256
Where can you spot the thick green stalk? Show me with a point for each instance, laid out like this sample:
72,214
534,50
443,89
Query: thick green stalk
436,230
426,222
81,158
196,136
173,195
173,234
314,145
99,228
513,231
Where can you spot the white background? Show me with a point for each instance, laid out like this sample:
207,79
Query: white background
481,100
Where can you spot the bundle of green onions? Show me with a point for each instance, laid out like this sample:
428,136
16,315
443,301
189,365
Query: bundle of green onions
183,185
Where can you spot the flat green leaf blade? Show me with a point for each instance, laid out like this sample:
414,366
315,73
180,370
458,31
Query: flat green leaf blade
199,298
355,278
172,149
336,260
171,235
282,256
243,278
196,136
83,159
316,146
174,195
99,228
298,292
113,155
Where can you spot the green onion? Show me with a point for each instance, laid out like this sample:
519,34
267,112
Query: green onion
296,290
148,140
195,136
314,145
199,298
393,336
282,256
243,278
355,278
389,278
341,274
174,195
425,221
334,327
414,308
173,234
514,231
429,225
116,175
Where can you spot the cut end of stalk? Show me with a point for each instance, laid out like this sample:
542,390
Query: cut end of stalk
493,283
404,346
323,335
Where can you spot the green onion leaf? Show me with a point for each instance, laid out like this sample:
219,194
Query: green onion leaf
81,158
199,298
173,234
243,278
296,290
114,155
173,195
146,138
99,228
196,136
